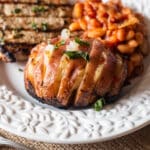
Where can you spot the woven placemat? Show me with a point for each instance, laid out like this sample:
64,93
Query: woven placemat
139,140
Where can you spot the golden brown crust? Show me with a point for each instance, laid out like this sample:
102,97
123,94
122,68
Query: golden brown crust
120,75
55,79
99,69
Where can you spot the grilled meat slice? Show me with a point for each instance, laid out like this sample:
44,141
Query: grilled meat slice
17,45
52,2
5,55
26,10
15,52
27,24
28,37
55,79
34,23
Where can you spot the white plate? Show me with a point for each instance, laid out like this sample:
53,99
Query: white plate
23,116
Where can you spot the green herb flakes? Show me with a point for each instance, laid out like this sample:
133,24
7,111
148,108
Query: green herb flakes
17,11
17,33
59,44
34,26
81,42
39,9
19,69
99,104
77,54
44,26
2,41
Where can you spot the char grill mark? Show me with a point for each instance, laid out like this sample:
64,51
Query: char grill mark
18,48
27,37
34,23
26,10
47,2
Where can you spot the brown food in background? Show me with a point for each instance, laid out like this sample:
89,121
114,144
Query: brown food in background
53,2
23,25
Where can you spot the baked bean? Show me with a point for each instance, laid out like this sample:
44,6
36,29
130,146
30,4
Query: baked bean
139,37
114,32
121,34
94,23
144,48
94,3
112,40
78,10
118,16
136,59
101,8
133,43
74,26
130,35
102,13
83,24
111,22
111,13
103,20
97,32
87,18
113,26
89,10
125,48
130,68
126,11
109,33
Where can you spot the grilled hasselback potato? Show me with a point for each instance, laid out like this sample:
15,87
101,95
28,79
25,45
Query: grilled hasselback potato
74,72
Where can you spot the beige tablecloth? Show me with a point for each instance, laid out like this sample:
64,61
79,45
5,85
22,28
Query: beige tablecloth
139,140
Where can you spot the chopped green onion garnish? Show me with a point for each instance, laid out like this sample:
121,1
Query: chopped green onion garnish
38,9
59,44
44,26
77,54
21,70
99,104
17,11
34,26
2,41
81,42
17,33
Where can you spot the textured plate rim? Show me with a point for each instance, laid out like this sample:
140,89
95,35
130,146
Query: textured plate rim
14,111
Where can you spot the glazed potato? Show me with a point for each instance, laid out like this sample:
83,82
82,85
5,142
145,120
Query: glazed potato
98,75
120,75
62,80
